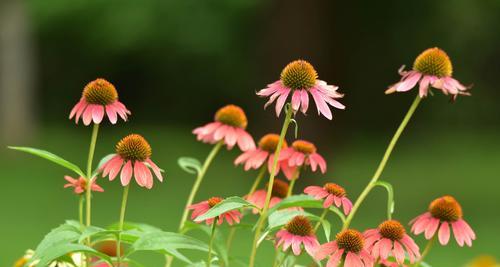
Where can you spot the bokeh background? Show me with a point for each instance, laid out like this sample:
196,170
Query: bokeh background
175,62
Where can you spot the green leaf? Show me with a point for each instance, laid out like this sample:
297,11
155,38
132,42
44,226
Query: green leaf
339,213
304,201
55,252
101,163
190,165
62,235
327,228
96,232
279,218
167,242
51,157
228,204
219,244
390,197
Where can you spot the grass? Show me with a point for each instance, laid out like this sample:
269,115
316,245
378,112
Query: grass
422,167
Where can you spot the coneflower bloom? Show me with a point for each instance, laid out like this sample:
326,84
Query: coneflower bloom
132,157
201,208
348,244
278,193
301,153
298,231
255,158
387,263
229,125
333,194
432,68
390,238
299,78
99,97
442,213
80,185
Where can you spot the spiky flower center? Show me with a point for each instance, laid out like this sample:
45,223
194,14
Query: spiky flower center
433,61
350,240
299,74
335,189
214,201
269,142
100,92
134,147
280,188
300,226
304,147
392,229
446,208
232,115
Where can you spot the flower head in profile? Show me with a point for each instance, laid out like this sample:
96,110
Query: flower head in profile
348,245
279,192
299,79
390,238
229,127
297,232
255,158
333,194
301,153
132,157
99,98
432,68
80,185
444,212
232,216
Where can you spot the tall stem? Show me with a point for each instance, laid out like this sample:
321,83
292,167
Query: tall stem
382,164
256,183
212,237
93,142
292,182
197,183
80,210
426,250
320,219
120,225
263,215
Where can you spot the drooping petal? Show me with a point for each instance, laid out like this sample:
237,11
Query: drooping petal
97,113
281,100
321,104
111,112
304,101
155,169
126,173
444,233
296,100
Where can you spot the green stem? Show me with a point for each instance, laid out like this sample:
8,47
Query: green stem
263,215
295,176
426,250
197,183
93,142
120,225
382,164
212,237
323,215
80,210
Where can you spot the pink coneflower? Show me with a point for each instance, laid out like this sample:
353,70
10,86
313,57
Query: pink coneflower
300,78
298,231
349,243
333,194
432,68
201,208
390,238
443,212
254,158
279,192
133,153
80,185
99,97
387,263
299,154
230,124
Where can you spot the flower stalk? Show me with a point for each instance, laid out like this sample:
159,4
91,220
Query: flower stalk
426,251
93,142
212,237
321,218
198,181
120,225
296,175
383,162
263,216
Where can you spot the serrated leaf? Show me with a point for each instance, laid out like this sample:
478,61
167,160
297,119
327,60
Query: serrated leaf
51,157
219,242
390,197
228,204
190,165
61,250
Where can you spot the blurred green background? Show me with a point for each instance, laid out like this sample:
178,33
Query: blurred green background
175,62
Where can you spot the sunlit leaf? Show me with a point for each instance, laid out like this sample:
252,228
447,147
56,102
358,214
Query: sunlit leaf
51,157
190,165
228,204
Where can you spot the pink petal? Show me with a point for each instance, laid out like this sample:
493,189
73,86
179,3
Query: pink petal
398,252
353,260
304,101
97,113
296,100
444,233
87,115
111,112
321,104
126,173
328,201
281,100
431,228
409,82
155,169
